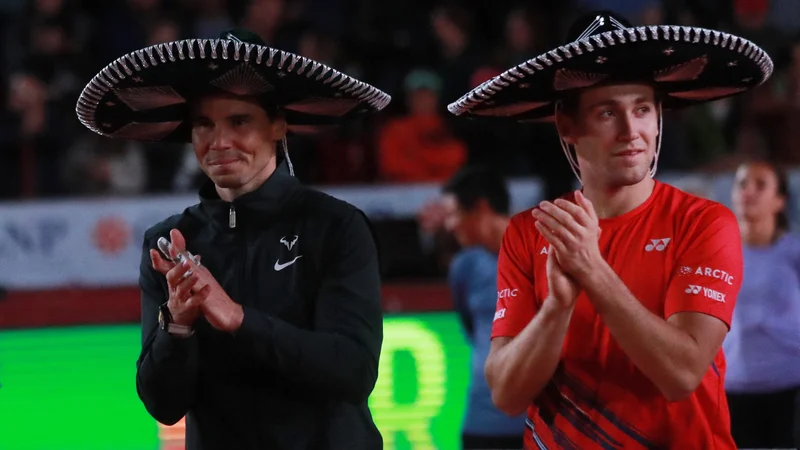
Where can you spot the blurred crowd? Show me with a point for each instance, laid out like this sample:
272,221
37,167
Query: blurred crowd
425,54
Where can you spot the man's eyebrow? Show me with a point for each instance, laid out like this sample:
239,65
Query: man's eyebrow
612,102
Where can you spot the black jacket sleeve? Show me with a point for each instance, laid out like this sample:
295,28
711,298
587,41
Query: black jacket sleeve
340,356
166,377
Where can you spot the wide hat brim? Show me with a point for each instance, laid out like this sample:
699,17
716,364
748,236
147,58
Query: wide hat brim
146,94
687,65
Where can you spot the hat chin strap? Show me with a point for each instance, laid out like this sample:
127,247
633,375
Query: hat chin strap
572,155
286,155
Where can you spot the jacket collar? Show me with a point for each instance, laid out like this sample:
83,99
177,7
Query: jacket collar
270,199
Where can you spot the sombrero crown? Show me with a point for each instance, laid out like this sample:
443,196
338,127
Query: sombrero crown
145,94
688,65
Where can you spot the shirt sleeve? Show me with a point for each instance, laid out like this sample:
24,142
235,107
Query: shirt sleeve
516,301
708,273
166,376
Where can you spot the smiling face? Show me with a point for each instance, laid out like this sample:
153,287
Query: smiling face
235,140
614,130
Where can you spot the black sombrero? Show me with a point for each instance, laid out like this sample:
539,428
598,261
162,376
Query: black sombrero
144,95
688,65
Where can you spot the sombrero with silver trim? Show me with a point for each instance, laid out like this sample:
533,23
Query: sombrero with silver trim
687,65
145,95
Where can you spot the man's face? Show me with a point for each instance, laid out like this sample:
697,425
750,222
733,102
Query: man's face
465,225
234,140
614,131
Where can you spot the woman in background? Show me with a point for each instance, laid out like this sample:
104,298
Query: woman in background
763,346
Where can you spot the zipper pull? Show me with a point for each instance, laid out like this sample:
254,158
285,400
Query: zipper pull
232,217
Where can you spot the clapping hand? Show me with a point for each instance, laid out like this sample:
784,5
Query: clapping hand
196,293
573,231
185,293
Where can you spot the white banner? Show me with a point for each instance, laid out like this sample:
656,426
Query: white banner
62,244
57,244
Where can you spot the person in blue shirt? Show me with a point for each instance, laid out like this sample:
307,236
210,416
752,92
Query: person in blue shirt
474,209
763,345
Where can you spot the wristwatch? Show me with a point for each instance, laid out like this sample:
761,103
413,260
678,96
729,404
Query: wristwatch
166,323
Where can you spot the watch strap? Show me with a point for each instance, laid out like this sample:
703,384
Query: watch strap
179,330
166,323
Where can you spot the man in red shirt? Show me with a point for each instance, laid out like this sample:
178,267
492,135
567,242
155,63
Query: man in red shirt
613,302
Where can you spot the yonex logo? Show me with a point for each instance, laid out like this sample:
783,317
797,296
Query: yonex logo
657,244
708,293
499,314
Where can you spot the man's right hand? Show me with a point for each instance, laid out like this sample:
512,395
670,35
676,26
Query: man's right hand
183,304
562,288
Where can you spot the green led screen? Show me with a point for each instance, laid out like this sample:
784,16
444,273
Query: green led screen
74,388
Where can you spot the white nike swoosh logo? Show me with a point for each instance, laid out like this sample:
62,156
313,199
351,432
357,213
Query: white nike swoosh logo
279,266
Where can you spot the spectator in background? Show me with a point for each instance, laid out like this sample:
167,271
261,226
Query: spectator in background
458,53
763,346
98,166
266,19
420,147
775,110
475,209
30,138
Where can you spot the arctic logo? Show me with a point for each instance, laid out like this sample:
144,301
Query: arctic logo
708,293
507,293
289,244
499,314
544,251
657,244
715,273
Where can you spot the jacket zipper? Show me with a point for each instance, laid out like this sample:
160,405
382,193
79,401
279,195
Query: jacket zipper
241,292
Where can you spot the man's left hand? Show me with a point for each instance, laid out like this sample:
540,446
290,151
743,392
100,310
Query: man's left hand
220,310
573,231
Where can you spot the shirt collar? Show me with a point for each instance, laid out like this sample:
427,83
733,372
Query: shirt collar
269,199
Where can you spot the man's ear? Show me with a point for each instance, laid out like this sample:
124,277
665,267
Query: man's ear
566,127
482,206
279,128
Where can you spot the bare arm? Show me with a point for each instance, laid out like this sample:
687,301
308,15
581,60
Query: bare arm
534,352
674,354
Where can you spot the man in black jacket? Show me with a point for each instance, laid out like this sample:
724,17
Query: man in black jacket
270,338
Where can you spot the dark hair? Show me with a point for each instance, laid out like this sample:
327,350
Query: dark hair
782,217
474,183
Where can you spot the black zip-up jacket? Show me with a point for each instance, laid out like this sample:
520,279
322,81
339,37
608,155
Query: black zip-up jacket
298,372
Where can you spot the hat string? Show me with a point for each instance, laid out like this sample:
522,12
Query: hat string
658,142
572,157
286,155
573,163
